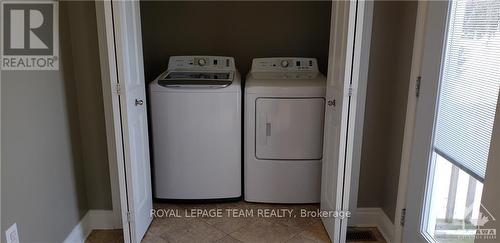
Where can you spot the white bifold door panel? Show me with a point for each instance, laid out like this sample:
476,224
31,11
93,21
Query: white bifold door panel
128,42
333,170
121,46
346,80
289,129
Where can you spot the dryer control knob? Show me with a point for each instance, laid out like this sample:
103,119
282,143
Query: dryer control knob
202,62
284,63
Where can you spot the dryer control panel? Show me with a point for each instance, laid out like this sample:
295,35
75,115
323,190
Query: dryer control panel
201,63
285,64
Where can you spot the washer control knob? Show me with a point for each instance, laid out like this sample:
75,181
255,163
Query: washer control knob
202,62
284,63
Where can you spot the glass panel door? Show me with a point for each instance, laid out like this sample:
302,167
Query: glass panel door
466,106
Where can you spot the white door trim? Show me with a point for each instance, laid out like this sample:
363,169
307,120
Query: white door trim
418,45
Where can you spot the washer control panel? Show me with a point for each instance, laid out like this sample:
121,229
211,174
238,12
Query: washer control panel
284,64
201,63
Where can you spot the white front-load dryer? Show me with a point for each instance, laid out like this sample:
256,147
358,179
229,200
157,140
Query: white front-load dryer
283,134
196,129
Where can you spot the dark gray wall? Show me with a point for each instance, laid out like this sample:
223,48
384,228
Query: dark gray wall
241,29
388,79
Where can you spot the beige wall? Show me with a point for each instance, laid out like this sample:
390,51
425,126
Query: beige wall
89,99
491,191
388,79
43,184
241,29
54,160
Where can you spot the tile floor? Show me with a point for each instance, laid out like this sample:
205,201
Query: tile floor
179,223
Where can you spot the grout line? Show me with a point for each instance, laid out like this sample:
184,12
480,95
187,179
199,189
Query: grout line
224,234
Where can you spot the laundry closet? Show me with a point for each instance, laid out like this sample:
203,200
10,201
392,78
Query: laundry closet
165,49
202,132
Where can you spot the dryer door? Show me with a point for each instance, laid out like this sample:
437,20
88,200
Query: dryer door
289,128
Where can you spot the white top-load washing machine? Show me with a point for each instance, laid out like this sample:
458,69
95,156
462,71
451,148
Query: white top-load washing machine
284,113
196,129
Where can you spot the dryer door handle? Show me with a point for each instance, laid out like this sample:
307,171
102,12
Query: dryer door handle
268,129
263,129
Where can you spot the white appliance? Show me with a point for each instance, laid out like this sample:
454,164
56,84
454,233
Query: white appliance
196,129
284,113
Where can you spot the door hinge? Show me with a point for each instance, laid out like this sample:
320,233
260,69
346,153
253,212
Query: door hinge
332,103
349,92
403,217
417,86
118,89
129,216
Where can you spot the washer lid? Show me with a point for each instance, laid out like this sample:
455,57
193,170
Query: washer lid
212,79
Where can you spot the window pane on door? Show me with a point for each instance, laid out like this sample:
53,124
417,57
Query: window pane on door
468,96
469,85
455,203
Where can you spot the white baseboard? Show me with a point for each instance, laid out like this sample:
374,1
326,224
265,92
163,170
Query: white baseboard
373,217
93,219
80,231
104,219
